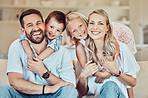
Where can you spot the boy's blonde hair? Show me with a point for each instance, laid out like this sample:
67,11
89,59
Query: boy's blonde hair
70,17
109,47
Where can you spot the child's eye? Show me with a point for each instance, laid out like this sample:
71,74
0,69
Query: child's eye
51,26
101,23
58,30
74,31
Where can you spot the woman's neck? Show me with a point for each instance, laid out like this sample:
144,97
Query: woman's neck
99,45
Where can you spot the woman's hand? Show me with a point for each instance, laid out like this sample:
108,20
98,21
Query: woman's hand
111,66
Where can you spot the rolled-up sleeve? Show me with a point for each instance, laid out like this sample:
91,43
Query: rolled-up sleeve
14,60
55,43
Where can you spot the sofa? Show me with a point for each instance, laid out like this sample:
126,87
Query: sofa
140,90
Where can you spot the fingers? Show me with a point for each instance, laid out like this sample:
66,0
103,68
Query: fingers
36,59
88,62
116,55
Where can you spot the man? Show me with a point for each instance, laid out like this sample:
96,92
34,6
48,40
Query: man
34,78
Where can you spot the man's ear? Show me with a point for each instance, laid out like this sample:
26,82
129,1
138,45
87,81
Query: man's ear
23,31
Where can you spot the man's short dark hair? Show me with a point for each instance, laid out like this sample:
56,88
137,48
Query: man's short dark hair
59,17
28,12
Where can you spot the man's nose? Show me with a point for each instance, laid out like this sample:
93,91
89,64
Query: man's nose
35,27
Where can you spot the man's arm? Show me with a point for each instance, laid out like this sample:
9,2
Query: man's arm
21,85
36,66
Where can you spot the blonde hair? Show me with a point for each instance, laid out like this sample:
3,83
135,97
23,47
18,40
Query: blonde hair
109,47
70,17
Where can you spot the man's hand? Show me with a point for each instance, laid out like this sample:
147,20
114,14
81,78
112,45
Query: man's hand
36,66
56,87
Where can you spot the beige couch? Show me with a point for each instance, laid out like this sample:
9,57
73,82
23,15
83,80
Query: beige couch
140,90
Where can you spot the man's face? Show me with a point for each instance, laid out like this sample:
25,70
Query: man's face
34,28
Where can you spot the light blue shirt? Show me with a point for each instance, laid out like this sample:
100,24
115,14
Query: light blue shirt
59,64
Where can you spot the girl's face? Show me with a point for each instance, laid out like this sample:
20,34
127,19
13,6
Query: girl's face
97,26
78,29
53,28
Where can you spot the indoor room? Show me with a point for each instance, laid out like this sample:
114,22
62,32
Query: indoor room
133,14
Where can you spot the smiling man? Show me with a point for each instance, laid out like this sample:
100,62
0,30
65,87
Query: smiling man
50,78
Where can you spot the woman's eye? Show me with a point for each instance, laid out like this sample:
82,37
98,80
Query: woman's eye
101,24
91,23
80,25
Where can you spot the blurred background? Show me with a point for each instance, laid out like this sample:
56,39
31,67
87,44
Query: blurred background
132,13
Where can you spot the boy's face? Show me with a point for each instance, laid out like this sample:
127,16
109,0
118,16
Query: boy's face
54,29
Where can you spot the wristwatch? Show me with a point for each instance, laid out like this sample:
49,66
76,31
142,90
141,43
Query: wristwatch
117,75
46,75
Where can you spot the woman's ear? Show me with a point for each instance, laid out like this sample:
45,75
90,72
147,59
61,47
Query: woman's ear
23,31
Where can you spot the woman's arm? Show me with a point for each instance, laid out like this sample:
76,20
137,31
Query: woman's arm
27,48
111,66
81,54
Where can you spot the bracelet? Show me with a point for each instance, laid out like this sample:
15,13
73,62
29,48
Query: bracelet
43,89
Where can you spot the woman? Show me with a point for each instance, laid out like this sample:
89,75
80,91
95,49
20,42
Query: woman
76,27
102,50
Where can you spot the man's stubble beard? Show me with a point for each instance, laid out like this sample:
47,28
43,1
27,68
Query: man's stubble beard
30,36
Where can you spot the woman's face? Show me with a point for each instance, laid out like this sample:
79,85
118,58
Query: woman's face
78,29
97,26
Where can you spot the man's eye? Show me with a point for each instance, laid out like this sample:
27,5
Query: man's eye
38,23
30,25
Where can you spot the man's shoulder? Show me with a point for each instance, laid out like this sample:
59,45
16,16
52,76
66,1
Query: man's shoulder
63,48
15,43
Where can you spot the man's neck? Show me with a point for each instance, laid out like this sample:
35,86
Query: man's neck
39,48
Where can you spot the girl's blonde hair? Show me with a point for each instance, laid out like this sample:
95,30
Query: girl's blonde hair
70,17
109,47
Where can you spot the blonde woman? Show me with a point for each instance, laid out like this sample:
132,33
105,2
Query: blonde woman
102,51
76,27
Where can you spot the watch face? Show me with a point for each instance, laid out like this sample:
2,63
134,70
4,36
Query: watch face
46,75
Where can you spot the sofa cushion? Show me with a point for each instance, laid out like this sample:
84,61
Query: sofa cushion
141,88
3,68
